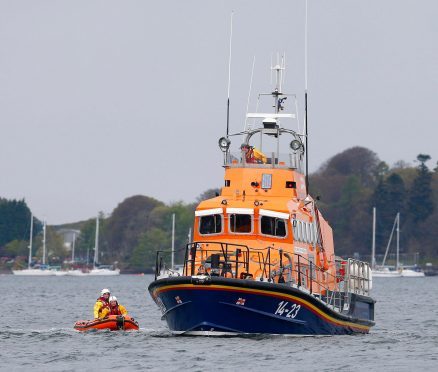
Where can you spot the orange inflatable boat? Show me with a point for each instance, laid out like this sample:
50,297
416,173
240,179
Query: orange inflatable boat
112,322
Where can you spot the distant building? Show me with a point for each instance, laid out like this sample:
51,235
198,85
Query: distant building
68,235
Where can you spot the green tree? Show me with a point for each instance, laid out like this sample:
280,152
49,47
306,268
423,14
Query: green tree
16,248
389,198
15,221
420,200
127,222
161,217
144,254
85,241
55,250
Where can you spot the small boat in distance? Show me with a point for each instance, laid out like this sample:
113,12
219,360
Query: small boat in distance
397,271
412,272
100,270
262,259
385,271
41,270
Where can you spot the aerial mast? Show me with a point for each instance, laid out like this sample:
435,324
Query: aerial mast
229,76
306,133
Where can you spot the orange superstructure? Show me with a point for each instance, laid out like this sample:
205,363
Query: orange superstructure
282,201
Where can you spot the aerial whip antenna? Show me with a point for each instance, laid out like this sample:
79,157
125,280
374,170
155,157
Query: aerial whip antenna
229,76
305,104
249,93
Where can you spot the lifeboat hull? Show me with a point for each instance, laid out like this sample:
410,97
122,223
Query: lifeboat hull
225,306
113,323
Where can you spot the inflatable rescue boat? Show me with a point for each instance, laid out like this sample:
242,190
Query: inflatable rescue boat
112,322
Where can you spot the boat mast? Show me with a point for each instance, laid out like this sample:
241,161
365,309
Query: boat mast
390,239
189,235
96,244
173,240
30,241
373,247
44,243
73,248
398,241
305,104
229,76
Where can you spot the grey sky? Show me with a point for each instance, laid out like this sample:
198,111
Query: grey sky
100,100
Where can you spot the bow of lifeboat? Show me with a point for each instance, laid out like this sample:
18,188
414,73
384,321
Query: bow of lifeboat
263,267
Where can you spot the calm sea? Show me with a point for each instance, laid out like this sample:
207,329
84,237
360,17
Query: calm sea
38,315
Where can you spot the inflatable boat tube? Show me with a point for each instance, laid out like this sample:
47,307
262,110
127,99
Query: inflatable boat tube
112,322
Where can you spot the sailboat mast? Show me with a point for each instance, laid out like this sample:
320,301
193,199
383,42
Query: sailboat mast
44,243
96,244
73,248
398,241
173,240
30,240
373,247
390,240
189,235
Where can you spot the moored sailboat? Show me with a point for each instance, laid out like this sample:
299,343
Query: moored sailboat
385,271
101,270
399,270
42,270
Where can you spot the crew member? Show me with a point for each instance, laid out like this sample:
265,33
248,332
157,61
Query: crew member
101,307
115,308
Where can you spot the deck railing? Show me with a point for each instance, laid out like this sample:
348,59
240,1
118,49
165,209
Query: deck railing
272,265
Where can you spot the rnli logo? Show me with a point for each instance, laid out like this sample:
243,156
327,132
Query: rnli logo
178,300
241,301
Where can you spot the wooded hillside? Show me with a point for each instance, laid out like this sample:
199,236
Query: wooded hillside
349,185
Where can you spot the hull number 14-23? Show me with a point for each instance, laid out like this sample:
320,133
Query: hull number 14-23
289,311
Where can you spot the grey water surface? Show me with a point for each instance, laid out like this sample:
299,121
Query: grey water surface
39,312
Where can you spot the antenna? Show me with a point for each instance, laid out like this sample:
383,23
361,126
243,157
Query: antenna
249,93
296,110
373,247
283,72
305,51
270,81
229,75
305,104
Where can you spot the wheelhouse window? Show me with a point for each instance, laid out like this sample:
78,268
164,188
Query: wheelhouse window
240,223
273,226
210,224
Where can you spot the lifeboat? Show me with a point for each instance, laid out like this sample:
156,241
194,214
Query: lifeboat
112,322
262,259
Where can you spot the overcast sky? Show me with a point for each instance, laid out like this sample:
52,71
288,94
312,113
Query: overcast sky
101,100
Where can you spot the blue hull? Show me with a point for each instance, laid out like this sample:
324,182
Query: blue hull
222,305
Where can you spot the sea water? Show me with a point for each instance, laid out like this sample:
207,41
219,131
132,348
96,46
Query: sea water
38,314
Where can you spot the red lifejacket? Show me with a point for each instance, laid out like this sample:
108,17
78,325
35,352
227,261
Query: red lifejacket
114,310
105,303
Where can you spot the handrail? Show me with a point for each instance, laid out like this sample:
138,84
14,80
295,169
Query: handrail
230,259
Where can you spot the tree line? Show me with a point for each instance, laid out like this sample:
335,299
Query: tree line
349,185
